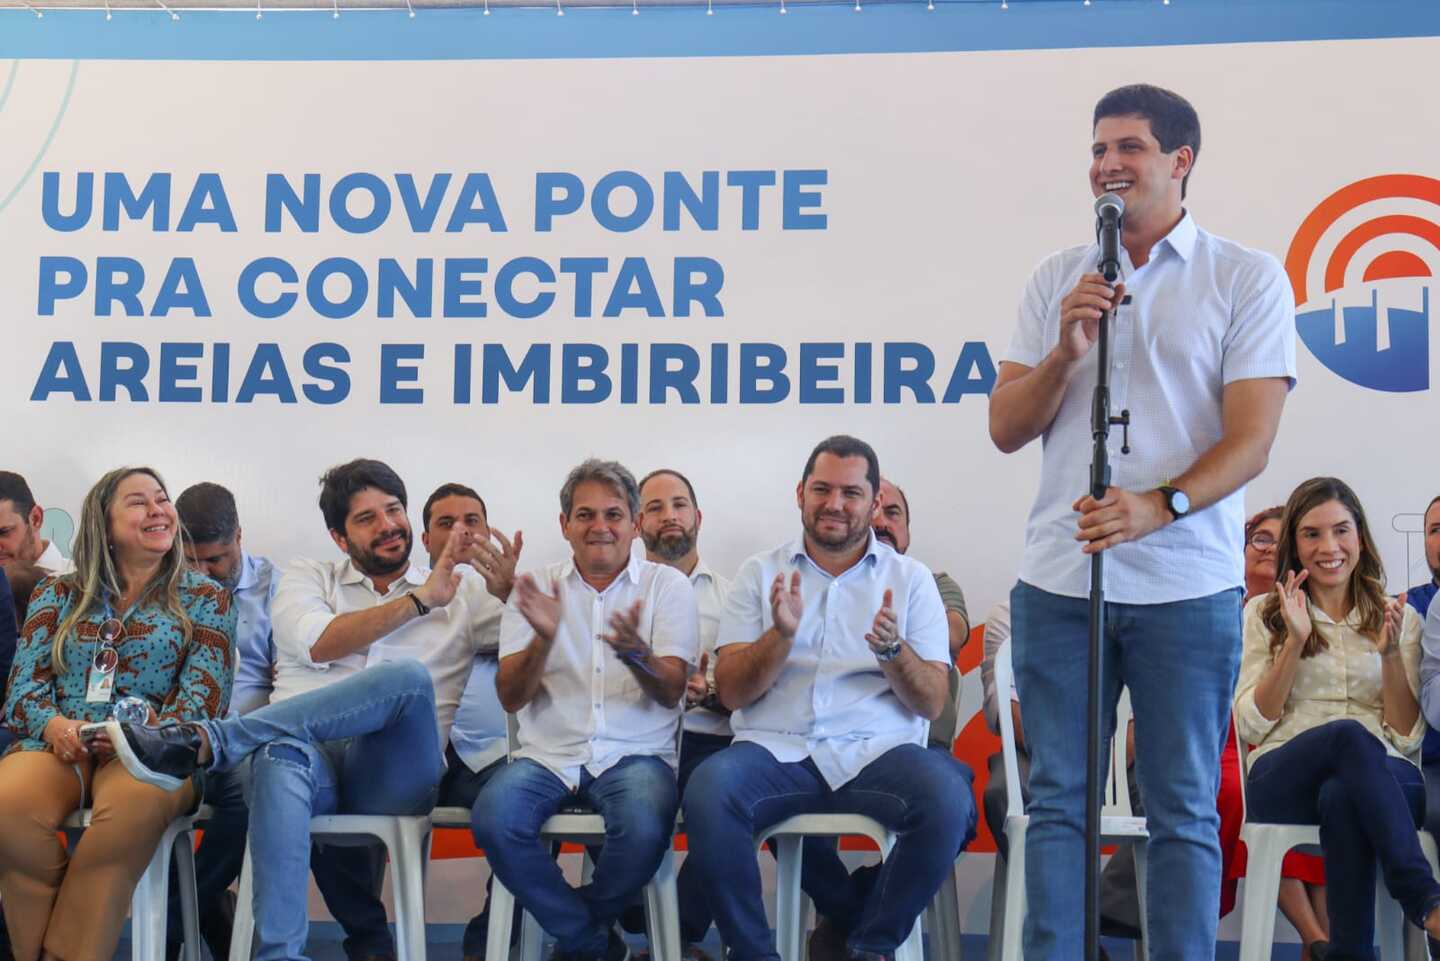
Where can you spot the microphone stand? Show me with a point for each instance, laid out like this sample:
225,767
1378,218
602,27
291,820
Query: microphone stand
1100,422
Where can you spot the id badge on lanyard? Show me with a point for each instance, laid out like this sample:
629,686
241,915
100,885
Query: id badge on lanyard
100,682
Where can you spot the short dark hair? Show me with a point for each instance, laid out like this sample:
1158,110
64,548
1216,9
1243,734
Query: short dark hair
14,488
340,483
450,490
1173,120
843,445
207,513
694,501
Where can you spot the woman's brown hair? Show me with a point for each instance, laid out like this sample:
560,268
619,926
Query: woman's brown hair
1367,583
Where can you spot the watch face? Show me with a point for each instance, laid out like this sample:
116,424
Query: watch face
1179,502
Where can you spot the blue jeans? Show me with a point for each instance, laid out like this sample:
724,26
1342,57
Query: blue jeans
1368,805
695,917
827,882
923,795
1179,661
393,765
637,798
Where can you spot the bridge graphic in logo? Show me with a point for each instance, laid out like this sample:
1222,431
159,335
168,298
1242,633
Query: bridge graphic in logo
1364,312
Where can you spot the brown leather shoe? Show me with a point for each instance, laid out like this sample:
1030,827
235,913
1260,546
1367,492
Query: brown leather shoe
827,942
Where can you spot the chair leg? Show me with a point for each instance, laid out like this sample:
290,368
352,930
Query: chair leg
789,922
502,906
242,934
943,916
1389,925
662,912
408,887
994,934
1011,939
1142,944
1262,893
532,937
189,897
149,902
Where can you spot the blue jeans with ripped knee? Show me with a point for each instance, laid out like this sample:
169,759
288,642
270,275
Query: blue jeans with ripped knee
393,764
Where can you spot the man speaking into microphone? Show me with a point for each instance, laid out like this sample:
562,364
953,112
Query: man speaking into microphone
1202,356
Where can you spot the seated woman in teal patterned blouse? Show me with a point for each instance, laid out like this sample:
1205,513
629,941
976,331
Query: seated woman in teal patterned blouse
132,621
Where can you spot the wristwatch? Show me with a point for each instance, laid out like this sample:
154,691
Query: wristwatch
1177,502
887,654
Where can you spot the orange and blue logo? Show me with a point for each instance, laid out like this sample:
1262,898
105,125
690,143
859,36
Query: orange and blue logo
1361,266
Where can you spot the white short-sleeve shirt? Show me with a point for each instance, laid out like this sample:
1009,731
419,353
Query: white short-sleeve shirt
1204,312
710,590
831,701
591,711
446,640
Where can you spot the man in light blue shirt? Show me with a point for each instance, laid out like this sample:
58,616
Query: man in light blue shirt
212,547
834,657
1203,355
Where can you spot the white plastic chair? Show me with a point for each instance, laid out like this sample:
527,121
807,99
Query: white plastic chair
1266,846
790,900
149,904
1117,824
407,841
662,902
942,917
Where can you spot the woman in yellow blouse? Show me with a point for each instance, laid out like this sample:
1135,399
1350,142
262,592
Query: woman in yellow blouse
1328,695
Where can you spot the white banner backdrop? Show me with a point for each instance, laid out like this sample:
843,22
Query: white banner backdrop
919,190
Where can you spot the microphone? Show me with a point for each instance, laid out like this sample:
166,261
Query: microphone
1109,218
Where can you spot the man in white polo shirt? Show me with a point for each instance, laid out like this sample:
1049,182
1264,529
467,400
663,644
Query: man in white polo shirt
834,657
1202,358
594,655
332,620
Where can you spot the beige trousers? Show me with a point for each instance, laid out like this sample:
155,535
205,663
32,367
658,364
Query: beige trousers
74,905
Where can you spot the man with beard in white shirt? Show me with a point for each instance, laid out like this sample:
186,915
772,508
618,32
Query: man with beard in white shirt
332,620
670,520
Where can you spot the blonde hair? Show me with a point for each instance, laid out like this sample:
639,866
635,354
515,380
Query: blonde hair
96,575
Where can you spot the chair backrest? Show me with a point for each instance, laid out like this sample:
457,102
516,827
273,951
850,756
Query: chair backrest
1117,788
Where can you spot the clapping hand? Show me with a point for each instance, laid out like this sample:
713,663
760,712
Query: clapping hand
624,636
697,687
883,630
786,604
1294,606
1390,630
540,609
440,587
497,566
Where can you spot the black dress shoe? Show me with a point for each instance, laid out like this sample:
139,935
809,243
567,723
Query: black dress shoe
163,756
1319,951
